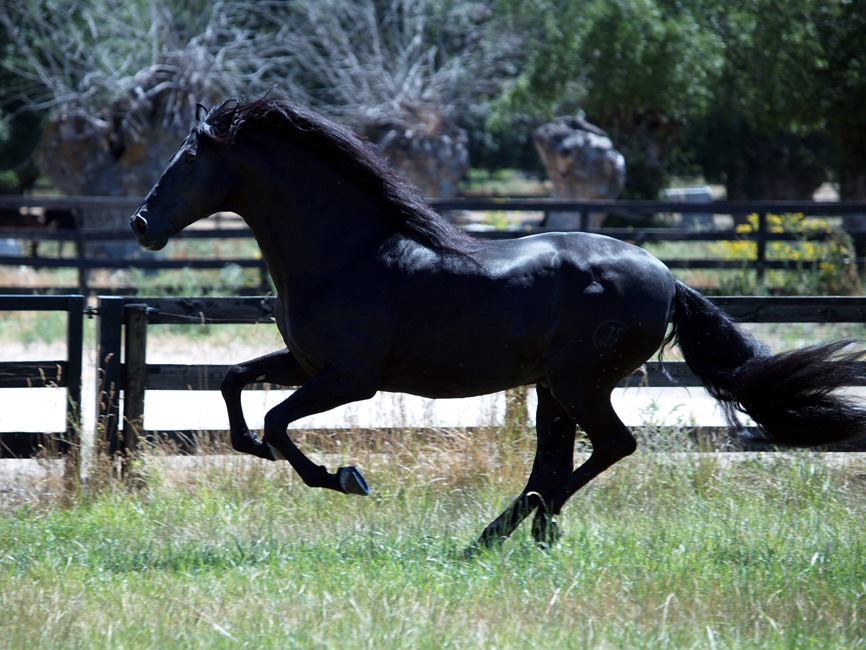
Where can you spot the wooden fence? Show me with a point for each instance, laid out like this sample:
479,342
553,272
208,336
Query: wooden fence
63,373
122,329
79,238
639,212
124,323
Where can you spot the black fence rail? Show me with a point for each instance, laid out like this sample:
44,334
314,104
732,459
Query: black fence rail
79,238
124,324
54,373
640,213
123,375
123,369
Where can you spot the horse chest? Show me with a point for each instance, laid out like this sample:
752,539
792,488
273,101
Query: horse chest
328,338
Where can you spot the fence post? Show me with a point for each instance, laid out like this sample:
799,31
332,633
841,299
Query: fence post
80,254
108,378
135,343
761,240
74,351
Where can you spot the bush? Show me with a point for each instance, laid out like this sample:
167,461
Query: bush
834,271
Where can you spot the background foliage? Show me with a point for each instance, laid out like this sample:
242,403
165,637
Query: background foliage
763,96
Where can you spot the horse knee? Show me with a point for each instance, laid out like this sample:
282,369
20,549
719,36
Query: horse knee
627,445
275,426
276,430
233,382
610,438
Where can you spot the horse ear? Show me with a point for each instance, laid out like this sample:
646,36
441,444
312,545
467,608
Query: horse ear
222,118
200,113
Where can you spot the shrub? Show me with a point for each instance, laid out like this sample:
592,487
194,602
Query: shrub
834,271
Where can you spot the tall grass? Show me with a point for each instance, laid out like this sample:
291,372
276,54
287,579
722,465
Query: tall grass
663,551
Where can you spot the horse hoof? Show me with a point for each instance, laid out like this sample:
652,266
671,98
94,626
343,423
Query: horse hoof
545,532
351,481
469,553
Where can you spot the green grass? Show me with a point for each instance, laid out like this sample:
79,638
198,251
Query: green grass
28,327
661,552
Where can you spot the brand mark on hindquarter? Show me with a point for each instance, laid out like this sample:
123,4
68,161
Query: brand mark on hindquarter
608,335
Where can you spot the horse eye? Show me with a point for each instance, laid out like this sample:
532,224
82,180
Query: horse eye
189,158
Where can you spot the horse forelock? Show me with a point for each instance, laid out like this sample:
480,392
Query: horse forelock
221,122
344,150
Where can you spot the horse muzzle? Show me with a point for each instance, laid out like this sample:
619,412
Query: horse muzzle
144,235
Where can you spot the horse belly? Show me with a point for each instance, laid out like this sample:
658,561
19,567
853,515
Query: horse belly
457,379
465,361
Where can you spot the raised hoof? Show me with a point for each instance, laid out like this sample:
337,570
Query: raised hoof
351,481
545,532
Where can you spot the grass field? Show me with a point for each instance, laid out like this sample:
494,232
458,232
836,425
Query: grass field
223,551
664,551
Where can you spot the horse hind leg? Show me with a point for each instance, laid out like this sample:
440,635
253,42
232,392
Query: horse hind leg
611,442
554,461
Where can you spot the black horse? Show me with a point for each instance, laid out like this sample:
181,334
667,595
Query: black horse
379,292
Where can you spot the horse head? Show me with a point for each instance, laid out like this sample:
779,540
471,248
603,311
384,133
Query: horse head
195,184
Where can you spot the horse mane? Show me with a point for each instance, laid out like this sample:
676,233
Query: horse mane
350,155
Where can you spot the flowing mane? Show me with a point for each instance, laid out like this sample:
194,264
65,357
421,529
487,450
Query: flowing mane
347,153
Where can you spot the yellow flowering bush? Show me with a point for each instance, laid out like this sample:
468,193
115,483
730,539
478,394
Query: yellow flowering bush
834,274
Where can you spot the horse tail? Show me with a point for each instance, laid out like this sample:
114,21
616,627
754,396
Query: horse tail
791,396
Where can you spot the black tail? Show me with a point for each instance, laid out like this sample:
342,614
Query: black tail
791,396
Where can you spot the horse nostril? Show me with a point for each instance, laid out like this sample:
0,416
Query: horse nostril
139,224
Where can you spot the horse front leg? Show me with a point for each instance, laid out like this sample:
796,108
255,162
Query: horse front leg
279,368
326,390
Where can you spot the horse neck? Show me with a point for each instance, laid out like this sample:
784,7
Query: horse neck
310,222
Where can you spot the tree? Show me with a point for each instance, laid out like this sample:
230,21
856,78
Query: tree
121,79
403,72
364,59
87,55
841,72
764,133
122,68
19,133
639,68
